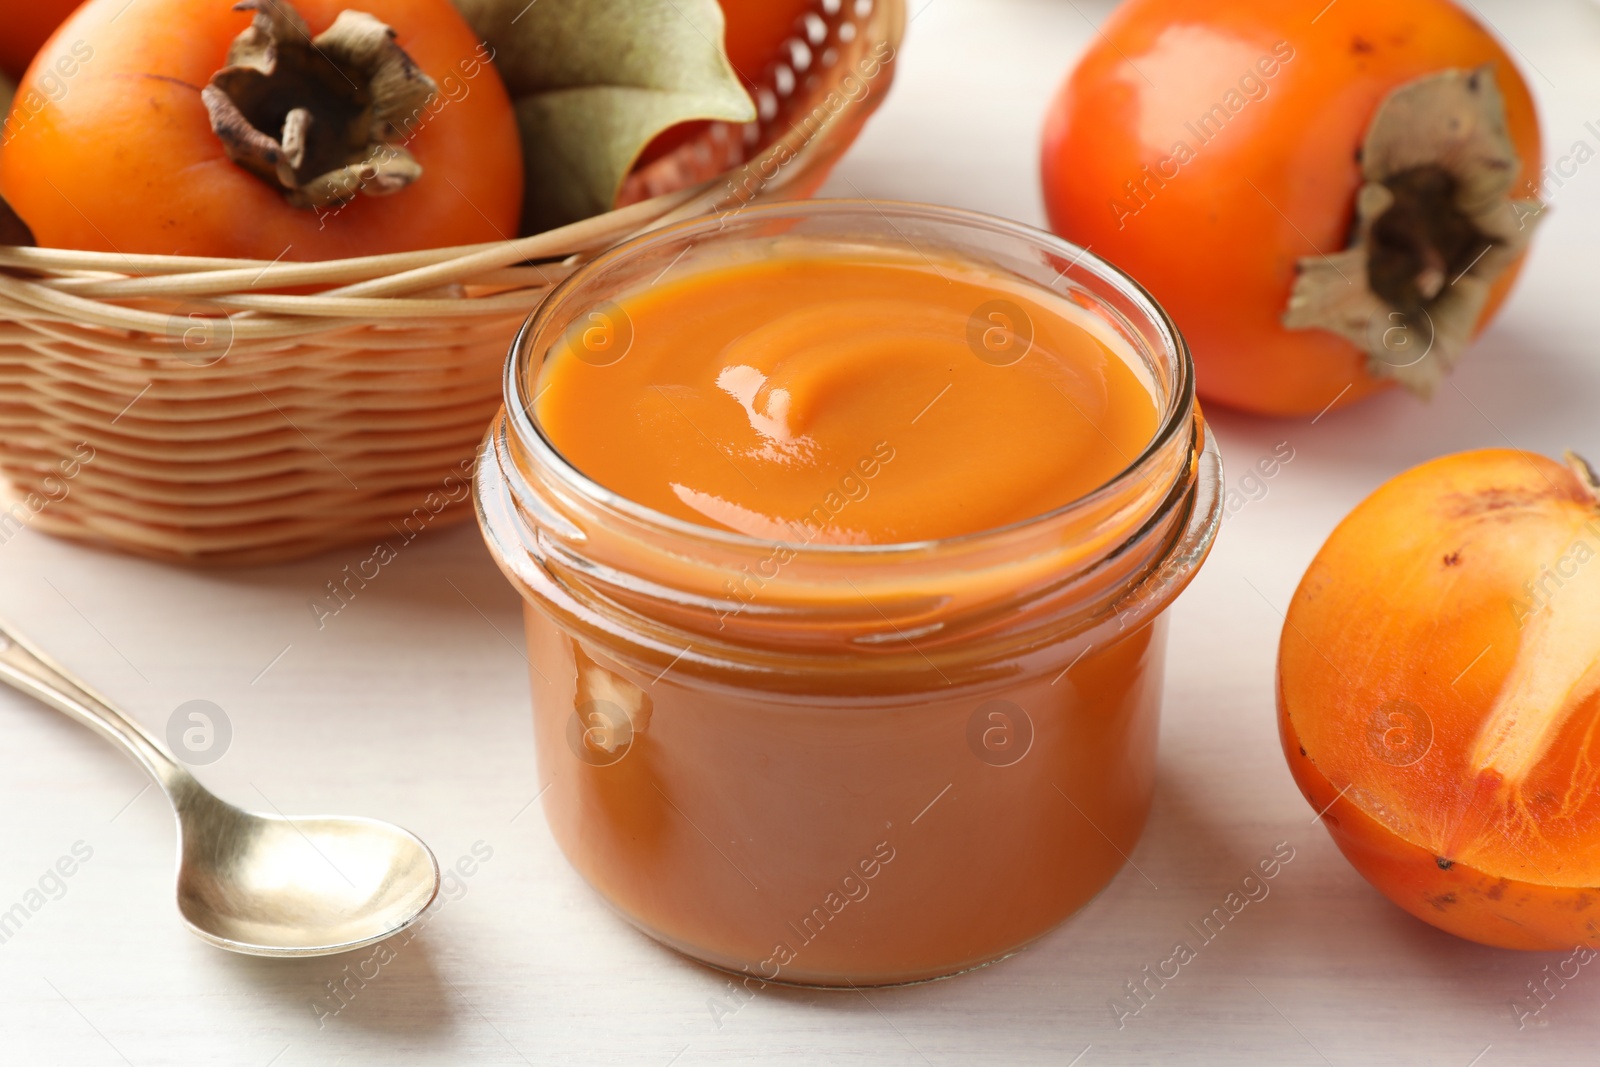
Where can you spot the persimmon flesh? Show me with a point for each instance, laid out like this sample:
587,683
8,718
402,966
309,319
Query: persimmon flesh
1439,695
125,158
1212,150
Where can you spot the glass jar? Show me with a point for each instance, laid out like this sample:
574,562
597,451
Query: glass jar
849,764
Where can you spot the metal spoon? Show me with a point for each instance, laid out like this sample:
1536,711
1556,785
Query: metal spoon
264,885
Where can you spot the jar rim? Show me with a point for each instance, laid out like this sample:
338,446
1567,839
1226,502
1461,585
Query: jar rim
1175,420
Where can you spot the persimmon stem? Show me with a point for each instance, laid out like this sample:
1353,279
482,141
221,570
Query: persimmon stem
1422,241
1436,226
323,120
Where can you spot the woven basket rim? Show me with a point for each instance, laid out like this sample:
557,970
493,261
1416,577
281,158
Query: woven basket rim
59,263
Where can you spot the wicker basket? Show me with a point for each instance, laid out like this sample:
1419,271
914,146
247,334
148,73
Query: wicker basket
232,423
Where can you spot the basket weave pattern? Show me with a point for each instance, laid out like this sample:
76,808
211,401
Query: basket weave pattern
232,412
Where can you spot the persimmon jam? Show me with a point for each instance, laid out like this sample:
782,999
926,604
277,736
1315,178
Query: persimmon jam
766,398
845,535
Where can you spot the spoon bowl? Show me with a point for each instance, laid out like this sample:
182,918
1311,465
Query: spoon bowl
263,885
267,885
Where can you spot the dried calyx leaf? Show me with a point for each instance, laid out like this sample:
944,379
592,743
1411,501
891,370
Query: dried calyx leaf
1585,473
323,120
1435,227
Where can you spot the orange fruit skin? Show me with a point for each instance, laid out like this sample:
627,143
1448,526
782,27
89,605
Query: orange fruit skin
755,30
28,24
123,158
1489,909
1416,597
1217,243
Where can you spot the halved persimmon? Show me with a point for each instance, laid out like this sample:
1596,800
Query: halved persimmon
1328,198
1439,695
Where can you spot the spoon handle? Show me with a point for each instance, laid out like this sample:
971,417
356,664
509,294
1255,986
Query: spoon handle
24,667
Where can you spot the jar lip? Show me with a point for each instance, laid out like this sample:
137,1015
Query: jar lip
1176,420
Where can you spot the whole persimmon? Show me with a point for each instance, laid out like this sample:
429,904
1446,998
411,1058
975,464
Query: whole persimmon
28,24
317,130
1328,198
1439,695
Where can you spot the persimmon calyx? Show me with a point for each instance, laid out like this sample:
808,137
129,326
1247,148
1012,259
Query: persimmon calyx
1586,475
1557,668
323,120
1436,225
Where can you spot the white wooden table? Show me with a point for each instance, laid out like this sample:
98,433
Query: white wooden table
411,705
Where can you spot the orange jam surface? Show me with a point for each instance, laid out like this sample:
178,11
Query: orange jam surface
769,398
